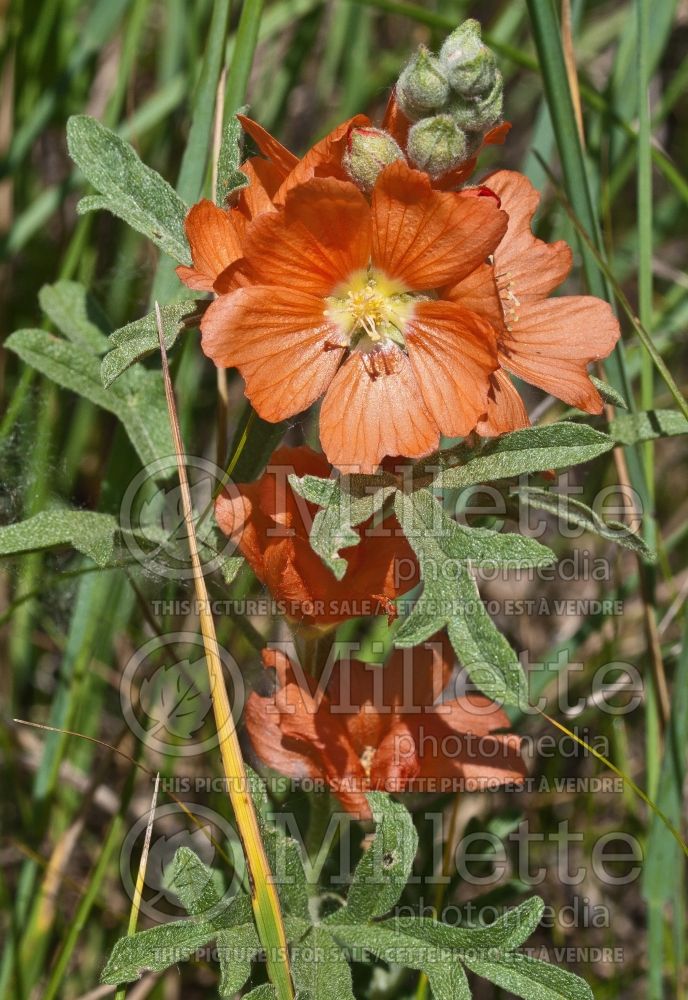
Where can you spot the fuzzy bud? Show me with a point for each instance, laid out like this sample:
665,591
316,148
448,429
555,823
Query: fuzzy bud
467,62
422,87
368,151
436,145
479,114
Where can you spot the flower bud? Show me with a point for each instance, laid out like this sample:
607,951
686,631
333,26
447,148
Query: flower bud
368,151
422,87
467,62
479,114
436,145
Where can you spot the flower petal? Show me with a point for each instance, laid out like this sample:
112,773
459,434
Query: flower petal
215,244
505,409
264,179
395,121
269,146
531,267
262,721
478,292
324,159
373,408
555,340
452,353
280,341
426,238
315,242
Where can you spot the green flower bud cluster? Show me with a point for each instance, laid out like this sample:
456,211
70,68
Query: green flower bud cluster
453,98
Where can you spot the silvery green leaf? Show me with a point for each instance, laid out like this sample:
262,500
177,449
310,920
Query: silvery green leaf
631,428
319,967
76,314
138,339
127,188
535,449
86,531
529,978
229,178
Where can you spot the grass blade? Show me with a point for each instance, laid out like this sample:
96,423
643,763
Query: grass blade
264,898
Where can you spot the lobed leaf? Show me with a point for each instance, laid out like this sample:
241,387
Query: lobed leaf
382,872
452,600
631,428
138,399
320,969
236,949
137,340
88,532
529,978
229,178
535,449
578,513
346,502
127,188
76,313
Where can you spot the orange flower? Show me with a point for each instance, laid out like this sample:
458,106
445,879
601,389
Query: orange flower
338,297
380,728
215,233
271,524
548,342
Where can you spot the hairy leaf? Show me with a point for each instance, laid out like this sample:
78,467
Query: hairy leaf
86,531
608,393
383,871
139,339
578,513
529,978
76,313
320,969
506,933
451,599
229,178
535,449
138,398
236,949
128,188
631,428
346,502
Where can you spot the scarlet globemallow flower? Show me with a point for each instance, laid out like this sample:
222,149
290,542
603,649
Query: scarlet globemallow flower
215,233
271,525
548,342
374,728
340,297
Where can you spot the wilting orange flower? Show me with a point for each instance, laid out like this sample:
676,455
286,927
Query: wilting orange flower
373,728
338,297
271,526
548,342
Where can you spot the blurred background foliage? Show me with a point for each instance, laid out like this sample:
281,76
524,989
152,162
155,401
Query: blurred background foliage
67,629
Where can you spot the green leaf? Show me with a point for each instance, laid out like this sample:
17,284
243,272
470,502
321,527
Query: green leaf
630,428
506,933
138,398
284,854
236,949
320,969
346,502
383,871
229,178
264,992
128,188
139,339
156,949
76,313
86,531
535,449
195,884
442,966
577,513
529,978
608,393
451,599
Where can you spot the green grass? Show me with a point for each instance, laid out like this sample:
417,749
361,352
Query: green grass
151,70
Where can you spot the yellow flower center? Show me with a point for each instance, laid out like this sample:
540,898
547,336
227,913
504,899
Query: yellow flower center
369,309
